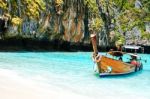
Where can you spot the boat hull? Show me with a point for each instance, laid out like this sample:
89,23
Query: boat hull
111,67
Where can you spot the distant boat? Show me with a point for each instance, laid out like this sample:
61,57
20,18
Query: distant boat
109,66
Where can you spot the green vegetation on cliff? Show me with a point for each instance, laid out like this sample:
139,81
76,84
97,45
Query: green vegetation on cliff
114,21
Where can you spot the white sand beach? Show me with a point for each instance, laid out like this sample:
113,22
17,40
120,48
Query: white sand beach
13,86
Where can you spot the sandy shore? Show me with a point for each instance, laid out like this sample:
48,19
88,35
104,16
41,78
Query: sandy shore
13,86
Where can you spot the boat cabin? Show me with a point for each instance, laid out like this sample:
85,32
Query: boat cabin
133,48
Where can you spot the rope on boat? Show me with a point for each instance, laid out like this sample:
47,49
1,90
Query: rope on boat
95,68
97,58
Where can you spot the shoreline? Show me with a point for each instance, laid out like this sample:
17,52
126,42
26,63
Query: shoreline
44,45
12,86
34,45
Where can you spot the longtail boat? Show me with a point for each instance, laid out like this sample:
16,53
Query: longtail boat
109,66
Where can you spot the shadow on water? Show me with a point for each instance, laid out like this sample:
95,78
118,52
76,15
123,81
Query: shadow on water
119,76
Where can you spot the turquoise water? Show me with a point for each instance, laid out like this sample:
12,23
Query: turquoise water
74,72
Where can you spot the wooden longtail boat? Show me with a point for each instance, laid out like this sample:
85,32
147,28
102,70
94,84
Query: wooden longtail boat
108,66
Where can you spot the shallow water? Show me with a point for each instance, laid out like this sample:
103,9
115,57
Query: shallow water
74,72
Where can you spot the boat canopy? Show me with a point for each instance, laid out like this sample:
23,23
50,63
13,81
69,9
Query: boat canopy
131,47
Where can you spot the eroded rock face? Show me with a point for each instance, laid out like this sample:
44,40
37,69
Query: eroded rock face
73,27
66,21
3,25
134,37
69,20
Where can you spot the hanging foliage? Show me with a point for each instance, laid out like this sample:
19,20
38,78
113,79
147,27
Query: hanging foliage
3,4
16,21
33,8
59,2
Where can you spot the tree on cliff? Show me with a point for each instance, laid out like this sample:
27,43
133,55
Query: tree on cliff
118,17
104,17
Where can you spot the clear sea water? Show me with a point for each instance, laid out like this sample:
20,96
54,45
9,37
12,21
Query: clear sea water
74,72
